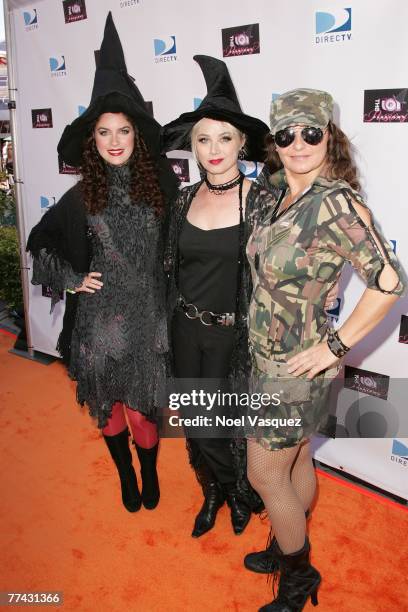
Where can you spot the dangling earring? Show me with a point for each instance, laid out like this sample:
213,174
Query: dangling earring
241,154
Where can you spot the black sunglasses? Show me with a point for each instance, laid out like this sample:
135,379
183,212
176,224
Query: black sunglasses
311,135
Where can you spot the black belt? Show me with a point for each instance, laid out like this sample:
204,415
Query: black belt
206,316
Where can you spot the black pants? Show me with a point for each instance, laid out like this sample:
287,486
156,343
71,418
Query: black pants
204,352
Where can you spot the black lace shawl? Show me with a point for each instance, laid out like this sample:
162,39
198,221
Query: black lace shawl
62,233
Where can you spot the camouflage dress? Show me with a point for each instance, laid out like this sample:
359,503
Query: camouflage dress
296,257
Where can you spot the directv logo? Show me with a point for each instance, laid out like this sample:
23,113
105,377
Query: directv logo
126,3
196,103
399,453
81,109
165,49
57,66
46,202
334,313
250,169
30,19
334,26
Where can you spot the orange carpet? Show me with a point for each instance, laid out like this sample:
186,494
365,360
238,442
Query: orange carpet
64,528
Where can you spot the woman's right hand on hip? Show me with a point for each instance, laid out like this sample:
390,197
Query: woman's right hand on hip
90,283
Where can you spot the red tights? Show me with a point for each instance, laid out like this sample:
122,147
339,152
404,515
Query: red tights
144,431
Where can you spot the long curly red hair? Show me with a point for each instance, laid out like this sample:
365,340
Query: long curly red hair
339,161
144,183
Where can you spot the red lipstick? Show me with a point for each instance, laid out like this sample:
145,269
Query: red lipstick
216,161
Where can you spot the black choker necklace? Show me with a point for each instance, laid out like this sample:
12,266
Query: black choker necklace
222,187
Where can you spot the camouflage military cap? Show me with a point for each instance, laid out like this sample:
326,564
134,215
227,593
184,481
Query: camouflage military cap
301,107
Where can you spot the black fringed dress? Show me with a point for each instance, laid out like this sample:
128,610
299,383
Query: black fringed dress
119,337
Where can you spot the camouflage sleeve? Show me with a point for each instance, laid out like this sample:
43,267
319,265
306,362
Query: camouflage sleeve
342,230
259,201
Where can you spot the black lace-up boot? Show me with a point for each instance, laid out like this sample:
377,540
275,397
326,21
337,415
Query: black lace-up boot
265,561
240,511
213,500
299,580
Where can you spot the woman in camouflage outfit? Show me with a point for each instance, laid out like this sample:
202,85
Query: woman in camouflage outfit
297,251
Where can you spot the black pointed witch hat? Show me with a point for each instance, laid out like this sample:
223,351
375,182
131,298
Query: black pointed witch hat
114,91
220,103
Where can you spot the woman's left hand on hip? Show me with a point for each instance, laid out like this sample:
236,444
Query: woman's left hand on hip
312,361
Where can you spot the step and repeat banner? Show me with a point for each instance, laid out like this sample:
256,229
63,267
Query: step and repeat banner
355,51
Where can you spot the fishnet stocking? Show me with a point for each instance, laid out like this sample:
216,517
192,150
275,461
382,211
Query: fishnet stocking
303,476
269,474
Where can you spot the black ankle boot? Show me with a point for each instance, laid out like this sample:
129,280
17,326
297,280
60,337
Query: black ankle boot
119,449
240,511
298,580
266,561
213,500
150,481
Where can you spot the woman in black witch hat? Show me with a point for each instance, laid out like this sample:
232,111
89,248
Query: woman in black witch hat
103,243
210,281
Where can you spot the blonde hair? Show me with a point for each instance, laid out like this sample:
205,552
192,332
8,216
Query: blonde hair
195,128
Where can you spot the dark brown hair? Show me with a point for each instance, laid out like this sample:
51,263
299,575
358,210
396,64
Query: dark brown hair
339,161
144,183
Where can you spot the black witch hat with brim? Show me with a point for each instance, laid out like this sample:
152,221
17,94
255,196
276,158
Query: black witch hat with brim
220,103
114,91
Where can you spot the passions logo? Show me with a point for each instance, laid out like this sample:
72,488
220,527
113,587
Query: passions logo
250,169
399,453
46,291
367,382
41,117
30,19
240,40
386,105
46,202
57,66
181,169
66,168
334,26
165,49
74,10
403,332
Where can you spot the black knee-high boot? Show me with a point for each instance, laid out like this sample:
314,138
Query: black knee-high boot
120,452
150,480
299,580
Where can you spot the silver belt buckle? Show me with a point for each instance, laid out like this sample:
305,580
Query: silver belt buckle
229,319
